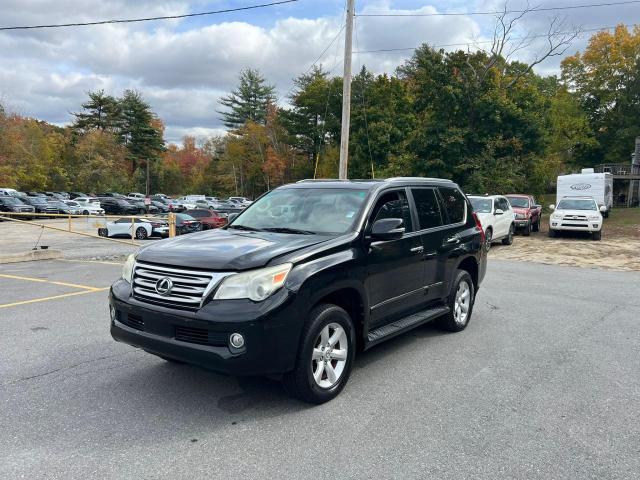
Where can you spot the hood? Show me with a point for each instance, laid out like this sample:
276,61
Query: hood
226,249
521,210
582,213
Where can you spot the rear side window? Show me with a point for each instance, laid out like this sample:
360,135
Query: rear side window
454,204
393,205
427,207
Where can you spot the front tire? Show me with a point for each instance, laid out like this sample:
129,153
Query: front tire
527,229
552,233
536,226
508,240
103,232
596,235
460,302
325,356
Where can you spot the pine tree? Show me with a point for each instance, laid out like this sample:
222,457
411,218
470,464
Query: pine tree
249,101
100,112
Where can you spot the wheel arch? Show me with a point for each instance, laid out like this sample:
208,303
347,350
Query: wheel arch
470,265
352,301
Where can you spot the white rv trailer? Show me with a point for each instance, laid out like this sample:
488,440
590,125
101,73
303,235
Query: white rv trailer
599,186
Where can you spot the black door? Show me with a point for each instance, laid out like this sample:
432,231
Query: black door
432,229
395,269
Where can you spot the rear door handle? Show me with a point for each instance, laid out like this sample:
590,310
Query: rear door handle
452,241
417,249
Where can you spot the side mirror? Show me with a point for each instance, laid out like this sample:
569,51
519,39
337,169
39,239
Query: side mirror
231,217
603,208
537,207
387,229
552,207
499,211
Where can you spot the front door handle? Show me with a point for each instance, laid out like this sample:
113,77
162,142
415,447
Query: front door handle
452,240
417,250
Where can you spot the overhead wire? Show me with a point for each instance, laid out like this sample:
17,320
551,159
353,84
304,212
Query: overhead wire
364,103
329,91
149,19
467,44
535,9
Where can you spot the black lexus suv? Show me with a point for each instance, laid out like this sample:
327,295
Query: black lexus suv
304,277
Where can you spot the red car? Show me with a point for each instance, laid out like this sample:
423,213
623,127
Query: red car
208,218
528,212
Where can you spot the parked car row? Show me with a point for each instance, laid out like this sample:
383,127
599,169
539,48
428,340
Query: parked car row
502,216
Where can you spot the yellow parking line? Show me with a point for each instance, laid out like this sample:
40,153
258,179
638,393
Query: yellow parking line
35,300
41,280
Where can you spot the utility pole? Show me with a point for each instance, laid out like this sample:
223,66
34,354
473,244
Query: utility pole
346,93
147,187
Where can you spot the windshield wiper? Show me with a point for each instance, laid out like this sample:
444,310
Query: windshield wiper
244,227
289,230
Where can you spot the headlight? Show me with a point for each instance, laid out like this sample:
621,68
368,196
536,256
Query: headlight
127,270
556,216
519,215
594,217
255,285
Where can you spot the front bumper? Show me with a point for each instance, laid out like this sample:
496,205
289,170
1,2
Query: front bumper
582,226
271,330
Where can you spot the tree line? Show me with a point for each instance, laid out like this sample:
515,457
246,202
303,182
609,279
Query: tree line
488,122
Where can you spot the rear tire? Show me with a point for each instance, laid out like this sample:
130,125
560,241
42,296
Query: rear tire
86,212
508,240
460,302
488,238
325,355
141,233
596,235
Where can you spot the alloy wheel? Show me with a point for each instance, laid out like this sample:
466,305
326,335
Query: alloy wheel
462,303
329,355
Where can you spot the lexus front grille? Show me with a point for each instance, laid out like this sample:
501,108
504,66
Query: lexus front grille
174,286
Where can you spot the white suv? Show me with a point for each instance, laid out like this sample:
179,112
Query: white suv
577,214
496,217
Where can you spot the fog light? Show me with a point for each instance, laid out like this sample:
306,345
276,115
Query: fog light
236,340
595,225
112,313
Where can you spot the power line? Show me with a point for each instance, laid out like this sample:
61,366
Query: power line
460,14
149,19
364,105
464,44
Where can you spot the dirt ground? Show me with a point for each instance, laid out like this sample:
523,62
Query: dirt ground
619,248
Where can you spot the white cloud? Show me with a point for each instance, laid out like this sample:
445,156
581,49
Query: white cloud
183,69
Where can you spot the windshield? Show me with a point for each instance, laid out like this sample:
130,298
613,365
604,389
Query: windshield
481,205
312,210
11,201
519,202
577,204
38,200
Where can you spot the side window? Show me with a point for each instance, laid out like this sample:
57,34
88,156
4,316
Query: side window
427,207
454,204
393,205
505,205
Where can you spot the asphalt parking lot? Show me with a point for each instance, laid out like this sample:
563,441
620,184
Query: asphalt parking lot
544,383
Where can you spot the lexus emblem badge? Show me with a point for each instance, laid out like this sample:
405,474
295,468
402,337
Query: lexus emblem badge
164,286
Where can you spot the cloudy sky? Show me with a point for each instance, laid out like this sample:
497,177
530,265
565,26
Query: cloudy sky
183,66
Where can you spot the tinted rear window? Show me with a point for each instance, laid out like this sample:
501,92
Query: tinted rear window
454,204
